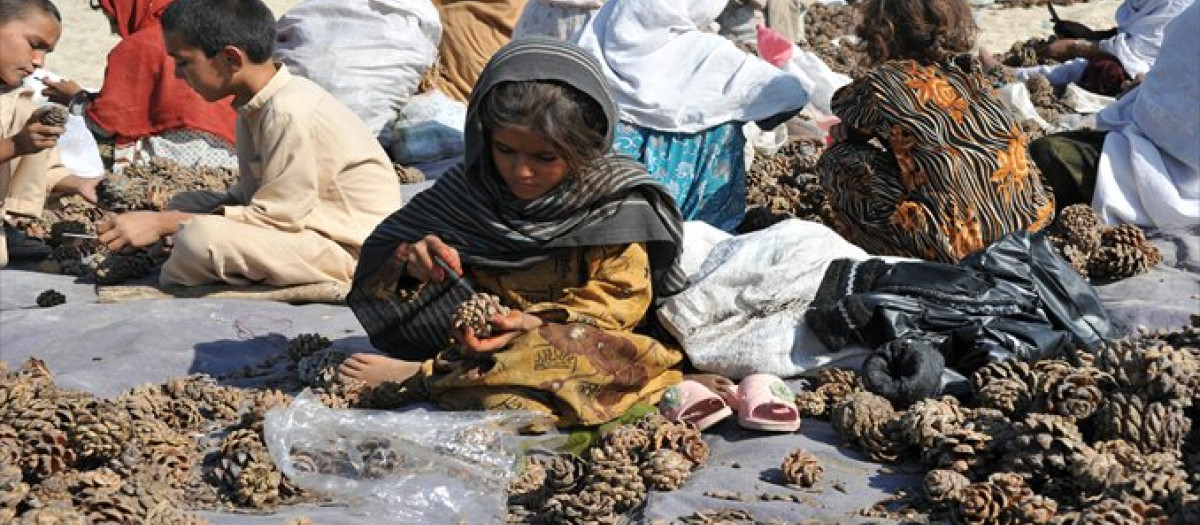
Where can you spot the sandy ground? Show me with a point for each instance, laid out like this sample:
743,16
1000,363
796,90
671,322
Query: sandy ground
86,38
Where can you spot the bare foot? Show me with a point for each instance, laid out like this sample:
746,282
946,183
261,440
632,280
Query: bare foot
375,369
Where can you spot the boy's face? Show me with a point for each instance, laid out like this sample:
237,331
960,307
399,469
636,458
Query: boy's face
24,43
210,77
527,163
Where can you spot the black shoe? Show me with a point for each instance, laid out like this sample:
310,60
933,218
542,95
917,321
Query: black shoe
21,246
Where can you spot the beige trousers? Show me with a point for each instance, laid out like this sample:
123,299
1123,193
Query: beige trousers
212,249
25,182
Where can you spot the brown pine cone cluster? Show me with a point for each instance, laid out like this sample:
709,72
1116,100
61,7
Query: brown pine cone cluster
476,313
611,478
783,186
1100,252
869,423
833,386
53,115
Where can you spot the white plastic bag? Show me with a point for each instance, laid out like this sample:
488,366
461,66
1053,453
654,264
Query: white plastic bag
429,128
1016,97
416,467
744,311
77,147
370,54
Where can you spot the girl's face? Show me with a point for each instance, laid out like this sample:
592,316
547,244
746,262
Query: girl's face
526,162
24,43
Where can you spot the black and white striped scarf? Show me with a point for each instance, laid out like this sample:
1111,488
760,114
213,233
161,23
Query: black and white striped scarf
611,201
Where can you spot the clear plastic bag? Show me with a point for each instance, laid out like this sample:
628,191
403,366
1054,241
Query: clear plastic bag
404,467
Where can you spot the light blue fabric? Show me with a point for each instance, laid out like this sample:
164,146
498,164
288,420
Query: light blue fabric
705,171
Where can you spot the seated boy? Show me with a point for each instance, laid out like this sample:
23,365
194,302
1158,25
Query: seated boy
313,183
29,164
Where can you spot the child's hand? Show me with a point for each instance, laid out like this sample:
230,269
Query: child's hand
134,229
421,265
35,137
62,92
508,327
76,185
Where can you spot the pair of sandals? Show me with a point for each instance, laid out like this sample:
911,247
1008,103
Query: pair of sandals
761,401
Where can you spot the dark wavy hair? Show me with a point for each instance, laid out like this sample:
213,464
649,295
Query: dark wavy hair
570,121
13,9
922,30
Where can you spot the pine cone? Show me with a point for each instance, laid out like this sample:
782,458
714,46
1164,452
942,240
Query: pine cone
1043,446
135,502
1161,479
10,445
1048,373
1149,366
981,504
566,472
941,484
1105,466
53,115
666,470
961,450
683,438
261,402
1113,263
843,376
627,440
617,476
1122,512
802,468
1035,510
165,455
927,419
584,507
1010,396
1077,396
1152,427
50,298
45,452
320,370
869,422
529,488
100,431
811,404
214,401
476,313
1014,485
245,470
53,515
305,345
1079,226
1014,369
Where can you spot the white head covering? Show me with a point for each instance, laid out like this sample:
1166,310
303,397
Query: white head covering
1149,171
669,75
1140,25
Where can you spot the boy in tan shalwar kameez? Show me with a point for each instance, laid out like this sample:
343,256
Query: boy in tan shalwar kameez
29,164
314,181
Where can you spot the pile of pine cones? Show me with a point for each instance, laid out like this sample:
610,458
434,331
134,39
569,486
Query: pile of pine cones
1099,252
611,478
784,186
70,457
826,28
1110,441
142,187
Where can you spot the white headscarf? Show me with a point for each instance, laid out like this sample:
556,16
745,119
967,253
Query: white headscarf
668,75
1149,171
1140,25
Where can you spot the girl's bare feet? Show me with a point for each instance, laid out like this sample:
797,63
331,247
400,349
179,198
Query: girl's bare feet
376,369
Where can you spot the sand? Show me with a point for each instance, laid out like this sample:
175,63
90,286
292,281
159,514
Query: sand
86,37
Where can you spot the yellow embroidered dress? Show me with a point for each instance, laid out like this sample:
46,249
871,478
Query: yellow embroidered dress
586,365
935,166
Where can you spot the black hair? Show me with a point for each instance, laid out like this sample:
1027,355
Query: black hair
13,9
569,120
210,25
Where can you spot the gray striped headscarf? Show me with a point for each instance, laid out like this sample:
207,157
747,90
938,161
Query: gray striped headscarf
611,201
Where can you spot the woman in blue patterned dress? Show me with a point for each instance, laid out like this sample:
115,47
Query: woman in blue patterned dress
684,95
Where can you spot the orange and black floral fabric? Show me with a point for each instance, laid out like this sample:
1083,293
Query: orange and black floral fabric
934,165
585,365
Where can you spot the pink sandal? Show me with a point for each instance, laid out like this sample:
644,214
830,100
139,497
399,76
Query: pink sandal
693,402
766,403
